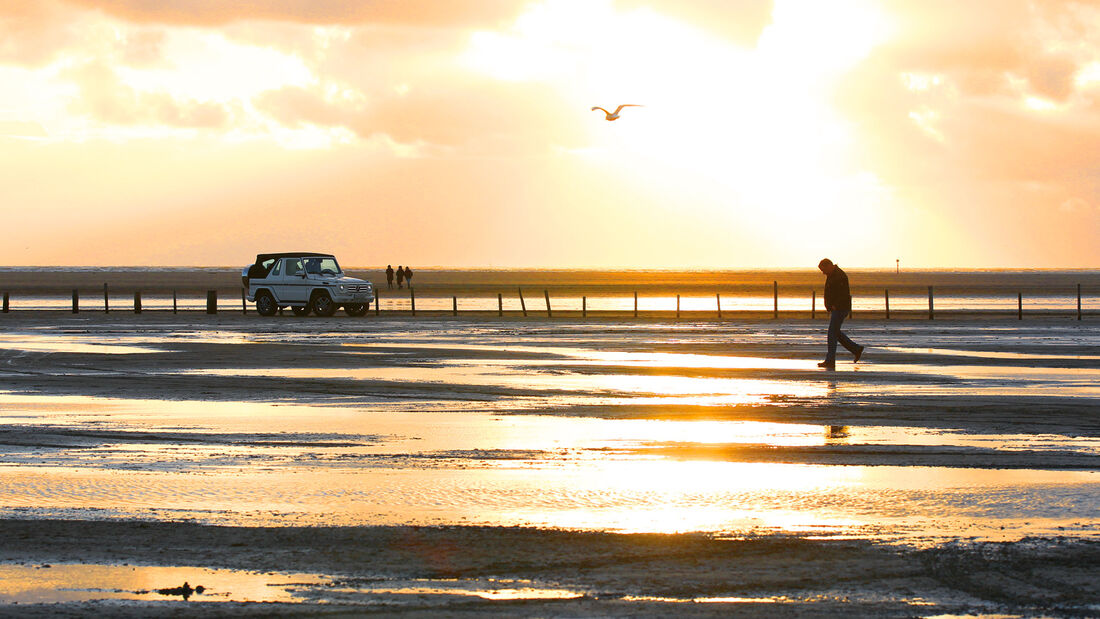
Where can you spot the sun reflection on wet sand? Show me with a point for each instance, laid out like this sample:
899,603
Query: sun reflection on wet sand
618,495
578,387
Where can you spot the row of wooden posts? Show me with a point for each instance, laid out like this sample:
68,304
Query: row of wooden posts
212,303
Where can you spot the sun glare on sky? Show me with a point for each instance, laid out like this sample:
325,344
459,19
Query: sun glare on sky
752,126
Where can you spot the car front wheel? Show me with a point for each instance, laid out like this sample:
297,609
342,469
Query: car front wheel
322,305
265,304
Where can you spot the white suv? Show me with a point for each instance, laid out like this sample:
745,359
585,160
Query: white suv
305,282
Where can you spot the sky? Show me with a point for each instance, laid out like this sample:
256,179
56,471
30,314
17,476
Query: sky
459,133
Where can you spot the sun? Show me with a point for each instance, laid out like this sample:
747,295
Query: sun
748,133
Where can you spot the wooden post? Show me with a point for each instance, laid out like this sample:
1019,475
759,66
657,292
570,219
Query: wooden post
6,302
584,307
775,299
522,304
211,301
454,306
412,300
635,303
76,301
1019,306
1078,301
106,300
137,301
377,302
718,298
546,293
813,304
887,304
677,306
173,301
500,305
931,310
244,302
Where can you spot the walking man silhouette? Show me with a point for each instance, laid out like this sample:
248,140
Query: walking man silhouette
400,276
389,276
838,302
408,276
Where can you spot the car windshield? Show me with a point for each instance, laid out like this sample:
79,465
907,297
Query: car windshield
322,266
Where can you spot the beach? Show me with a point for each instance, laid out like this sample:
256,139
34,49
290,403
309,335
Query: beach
529,309
547,466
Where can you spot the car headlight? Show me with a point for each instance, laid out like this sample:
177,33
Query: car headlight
343,288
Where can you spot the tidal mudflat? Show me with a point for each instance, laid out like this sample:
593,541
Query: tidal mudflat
527,466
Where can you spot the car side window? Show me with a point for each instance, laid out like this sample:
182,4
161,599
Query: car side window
293,266
278,265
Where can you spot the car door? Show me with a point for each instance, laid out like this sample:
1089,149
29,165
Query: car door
283,284
274,281
294,288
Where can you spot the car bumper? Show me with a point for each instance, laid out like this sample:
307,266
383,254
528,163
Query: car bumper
358,297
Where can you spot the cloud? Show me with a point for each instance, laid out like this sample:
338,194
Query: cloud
36,34
970,81
456,13
103,97
974,113
32,33
1079,206
453,113
21,129
741,21
983,46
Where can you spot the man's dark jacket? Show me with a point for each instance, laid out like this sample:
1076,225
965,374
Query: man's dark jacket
837,294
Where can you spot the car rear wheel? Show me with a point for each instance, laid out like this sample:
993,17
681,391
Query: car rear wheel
265,304
322,304
355,309
300,311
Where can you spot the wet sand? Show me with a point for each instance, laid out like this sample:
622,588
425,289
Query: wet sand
608,467
460,571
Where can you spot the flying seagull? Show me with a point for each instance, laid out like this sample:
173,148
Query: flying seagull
615,115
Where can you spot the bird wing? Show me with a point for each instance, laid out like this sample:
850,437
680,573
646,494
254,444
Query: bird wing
596,107
619,109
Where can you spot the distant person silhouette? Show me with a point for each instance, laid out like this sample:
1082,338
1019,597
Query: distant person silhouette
400,276
838,301
389,276
408,276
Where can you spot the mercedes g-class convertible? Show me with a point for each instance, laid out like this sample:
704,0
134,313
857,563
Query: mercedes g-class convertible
305,282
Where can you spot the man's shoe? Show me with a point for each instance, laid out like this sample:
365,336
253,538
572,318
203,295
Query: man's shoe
859,353
828,365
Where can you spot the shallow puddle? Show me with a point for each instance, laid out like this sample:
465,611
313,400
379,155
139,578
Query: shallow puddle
51,583
66,582
37,342
987,354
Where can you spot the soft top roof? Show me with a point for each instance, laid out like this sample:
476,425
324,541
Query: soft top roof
260,258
